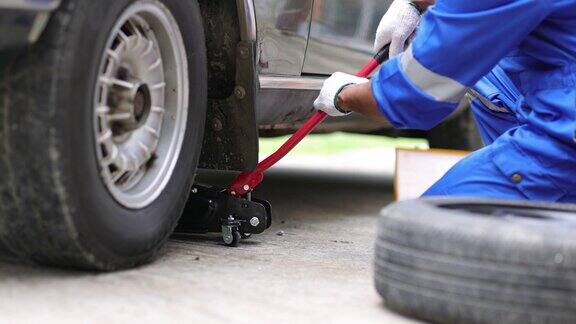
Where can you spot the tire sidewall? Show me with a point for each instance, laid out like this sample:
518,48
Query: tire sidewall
454,259
106,229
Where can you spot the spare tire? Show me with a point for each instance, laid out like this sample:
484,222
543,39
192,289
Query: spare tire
478,261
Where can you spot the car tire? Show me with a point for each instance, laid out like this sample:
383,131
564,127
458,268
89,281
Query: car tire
60,204
478,261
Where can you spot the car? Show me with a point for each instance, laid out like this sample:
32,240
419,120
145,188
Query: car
108,108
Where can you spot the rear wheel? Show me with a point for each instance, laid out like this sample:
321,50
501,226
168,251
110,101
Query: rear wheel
102,124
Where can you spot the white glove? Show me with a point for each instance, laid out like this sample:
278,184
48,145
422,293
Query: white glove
397,26
332,86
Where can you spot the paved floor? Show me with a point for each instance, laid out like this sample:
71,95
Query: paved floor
318,271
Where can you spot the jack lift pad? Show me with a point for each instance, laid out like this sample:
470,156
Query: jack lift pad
212,210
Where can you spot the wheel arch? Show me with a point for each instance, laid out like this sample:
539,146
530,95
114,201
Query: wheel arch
231,137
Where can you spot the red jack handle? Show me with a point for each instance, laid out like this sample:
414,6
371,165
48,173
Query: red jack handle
246,182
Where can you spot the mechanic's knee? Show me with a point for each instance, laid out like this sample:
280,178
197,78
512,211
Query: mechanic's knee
475,176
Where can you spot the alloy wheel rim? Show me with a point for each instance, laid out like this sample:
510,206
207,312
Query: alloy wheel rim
141,104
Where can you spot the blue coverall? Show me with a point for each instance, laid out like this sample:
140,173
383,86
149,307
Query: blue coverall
521,56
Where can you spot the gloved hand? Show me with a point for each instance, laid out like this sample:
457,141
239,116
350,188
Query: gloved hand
327,101
397,27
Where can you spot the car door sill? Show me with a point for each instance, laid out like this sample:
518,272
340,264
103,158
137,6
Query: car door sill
291,83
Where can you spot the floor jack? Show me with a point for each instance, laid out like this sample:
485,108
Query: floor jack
233,212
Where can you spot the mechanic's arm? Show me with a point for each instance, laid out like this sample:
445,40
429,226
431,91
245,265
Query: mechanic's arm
458,43
359,98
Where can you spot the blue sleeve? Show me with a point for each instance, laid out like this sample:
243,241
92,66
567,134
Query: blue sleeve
459,41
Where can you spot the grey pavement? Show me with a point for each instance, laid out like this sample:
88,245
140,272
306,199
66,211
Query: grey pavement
318,271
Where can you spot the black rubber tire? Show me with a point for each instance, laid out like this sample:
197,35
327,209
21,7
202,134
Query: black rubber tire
236,238
55,209
458,133
474,261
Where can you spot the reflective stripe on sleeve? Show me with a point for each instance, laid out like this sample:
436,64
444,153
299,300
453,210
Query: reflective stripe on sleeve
437,86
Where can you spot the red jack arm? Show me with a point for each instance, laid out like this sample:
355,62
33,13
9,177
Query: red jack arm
247,181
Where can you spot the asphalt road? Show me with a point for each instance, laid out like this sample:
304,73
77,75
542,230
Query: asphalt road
312,266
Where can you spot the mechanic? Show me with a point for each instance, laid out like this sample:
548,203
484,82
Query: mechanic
516,60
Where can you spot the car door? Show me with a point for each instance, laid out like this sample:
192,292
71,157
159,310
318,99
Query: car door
283,29
342,34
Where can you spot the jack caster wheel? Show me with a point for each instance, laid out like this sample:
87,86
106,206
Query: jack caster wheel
232,239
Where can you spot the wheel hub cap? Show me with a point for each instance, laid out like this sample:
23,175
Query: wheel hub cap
141,104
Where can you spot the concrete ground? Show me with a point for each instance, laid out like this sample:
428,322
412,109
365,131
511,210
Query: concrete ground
312,266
